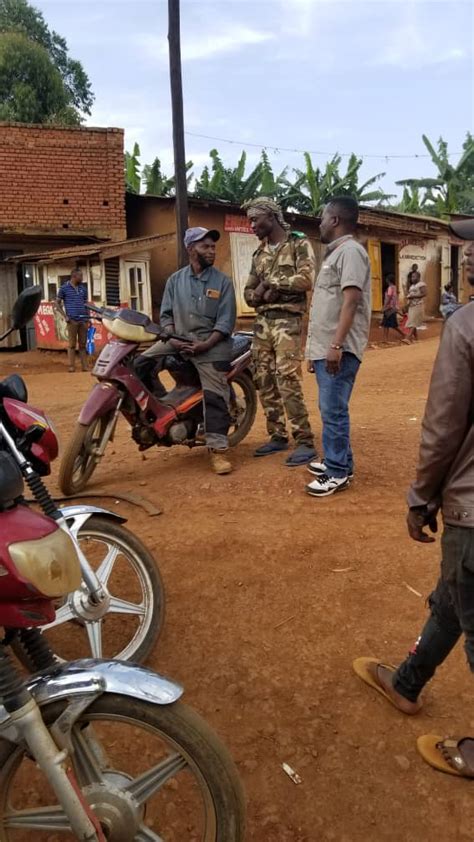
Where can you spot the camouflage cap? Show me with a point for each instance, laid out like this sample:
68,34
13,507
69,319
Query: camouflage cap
264,204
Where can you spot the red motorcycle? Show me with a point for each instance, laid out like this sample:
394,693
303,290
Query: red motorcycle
101,749
156,416
118,610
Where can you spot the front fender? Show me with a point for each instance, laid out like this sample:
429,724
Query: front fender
102,399
77,516
94,677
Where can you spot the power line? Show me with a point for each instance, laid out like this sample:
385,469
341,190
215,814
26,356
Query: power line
302,151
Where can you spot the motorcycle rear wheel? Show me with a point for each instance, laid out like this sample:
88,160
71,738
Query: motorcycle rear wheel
153,773
80,458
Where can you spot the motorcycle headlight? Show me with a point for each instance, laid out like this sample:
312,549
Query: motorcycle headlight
50,563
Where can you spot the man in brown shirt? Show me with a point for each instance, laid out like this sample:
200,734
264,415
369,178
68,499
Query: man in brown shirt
444,481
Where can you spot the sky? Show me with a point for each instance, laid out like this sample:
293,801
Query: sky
320,75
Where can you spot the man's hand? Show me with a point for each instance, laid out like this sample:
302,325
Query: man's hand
310,366
259,292
333,360
417,519
195,348
181,345
271,295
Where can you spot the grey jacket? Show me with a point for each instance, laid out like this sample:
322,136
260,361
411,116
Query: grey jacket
445,474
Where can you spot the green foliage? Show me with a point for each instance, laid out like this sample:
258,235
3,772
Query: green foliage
20,18
31,89
132,170
220,183
452,189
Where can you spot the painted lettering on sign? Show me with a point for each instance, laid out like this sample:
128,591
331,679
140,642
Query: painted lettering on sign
237,223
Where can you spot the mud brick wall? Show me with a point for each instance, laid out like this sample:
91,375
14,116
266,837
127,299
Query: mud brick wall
62,180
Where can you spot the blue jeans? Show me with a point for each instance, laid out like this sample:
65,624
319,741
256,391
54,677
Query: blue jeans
334,395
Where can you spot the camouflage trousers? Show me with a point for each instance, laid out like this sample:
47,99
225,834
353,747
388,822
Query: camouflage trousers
277,356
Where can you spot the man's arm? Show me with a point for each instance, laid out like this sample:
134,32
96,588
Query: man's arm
301,278
254,289
446,419
59,303
352,273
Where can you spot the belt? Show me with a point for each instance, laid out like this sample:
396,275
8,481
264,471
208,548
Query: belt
280,314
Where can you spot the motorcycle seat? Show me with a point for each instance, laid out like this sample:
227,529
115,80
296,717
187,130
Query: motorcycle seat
241,342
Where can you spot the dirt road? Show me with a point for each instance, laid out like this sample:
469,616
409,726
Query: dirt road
271,594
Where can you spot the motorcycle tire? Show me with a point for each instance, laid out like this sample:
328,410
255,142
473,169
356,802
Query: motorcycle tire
192,747
79,462
121,635
250,395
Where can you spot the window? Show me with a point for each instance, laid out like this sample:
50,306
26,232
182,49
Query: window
137,288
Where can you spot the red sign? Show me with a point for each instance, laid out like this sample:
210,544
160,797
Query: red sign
236,223
51,331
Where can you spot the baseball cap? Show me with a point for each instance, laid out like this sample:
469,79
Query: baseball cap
193,235
463,228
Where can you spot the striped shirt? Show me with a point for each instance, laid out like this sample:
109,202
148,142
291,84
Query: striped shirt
75,299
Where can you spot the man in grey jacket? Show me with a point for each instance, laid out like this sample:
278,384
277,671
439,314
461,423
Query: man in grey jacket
445,480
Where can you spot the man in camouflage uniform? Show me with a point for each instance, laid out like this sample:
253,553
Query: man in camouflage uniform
282,271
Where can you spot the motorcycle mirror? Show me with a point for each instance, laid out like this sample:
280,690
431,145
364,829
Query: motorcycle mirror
26,306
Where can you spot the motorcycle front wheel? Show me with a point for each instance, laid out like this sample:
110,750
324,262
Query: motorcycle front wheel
151,773
126,626
80,458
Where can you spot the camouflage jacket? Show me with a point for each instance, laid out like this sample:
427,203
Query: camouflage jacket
289,270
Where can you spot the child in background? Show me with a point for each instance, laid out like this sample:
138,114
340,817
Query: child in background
390,309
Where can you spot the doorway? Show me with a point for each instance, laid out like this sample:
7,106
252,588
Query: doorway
389,261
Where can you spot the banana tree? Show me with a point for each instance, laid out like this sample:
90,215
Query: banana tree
158,184
218,182
452,189
132,170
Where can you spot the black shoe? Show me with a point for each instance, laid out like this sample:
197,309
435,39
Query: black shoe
272,446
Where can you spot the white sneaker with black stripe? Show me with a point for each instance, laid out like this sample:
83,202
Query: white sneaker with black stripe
323,486
319,468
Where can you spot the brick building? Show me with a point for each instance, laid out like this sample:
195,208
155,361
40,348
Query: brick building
59,187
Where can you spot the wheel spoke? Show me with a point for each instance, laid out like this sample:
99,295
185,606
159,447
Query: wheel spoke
146,835
63,615
121,606
86,763
43,818
106,566
151,781
94,633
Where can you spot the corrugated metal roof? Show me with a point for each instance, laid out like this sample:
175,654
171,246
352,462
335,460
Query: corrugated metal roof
102,250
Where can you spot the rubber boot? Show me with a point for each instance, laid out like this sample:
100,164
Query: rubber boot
83,358
219,463
71,356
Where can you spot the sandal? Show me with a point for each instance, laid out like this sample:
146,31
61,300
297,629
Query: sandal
361,667
435,750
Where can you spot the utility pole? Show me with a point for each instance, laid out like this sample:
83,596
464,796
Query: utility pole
181,199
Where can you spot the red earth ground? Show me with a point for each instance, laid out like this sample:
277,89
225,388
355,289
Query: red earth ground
270,596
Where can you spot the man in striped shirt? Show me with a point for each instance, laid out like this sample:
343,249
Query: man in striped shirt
71,303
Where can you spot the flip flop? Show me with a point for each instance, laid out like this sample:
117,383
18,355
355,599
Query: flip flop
360,667
429,747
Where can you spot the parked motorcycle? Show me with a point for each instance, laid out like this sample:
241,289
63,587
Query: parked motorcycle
97,750
155,417
118,610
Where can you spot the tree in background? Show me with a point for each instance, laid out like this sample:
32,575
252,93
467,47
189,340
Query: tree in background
132,170
231,184
39,82
313,187
452,190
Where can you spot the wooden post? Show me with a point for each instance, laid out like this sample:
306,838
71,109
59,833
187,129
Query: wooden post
181,199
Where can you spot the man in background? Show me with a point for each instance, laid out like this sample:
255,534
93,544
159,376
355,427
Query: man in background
71,303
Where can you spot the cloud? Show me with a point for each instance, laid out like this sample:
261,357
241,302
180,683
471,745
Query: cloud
205,46
408,47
